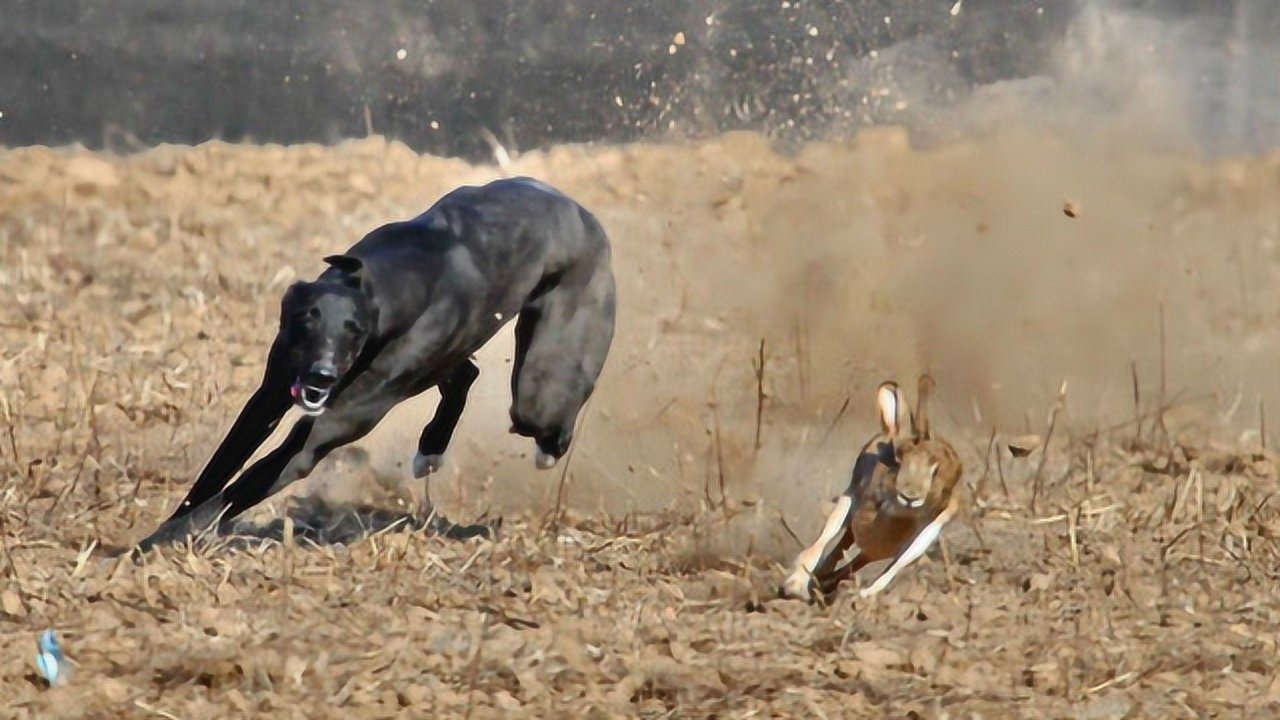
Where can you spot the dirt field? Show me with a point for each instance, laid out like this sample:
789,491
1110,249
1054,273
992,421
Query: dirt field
139,295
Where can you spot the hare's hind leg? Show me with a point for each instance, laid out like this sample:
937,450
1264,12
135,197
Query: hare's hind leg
830,582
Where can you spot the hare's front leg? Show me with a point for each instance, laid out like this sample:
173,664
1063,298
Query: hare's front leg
919,545
819,558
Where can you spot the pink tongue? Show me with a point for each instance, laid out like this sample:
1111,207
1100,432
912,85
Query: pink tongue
295,390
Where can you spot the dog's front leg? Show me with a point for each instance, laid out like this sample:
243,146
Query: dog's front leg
254,425
307,444
237,497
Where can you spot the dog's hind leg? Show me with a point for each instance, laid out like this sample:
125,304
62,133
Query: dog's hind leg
562,339
437,433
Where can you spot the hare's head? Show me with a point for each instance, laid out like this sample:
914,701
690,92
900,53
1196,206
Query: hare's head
916,473
928,467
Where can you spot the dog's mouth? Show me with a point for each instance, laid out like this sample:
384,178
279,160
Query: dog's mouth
310,394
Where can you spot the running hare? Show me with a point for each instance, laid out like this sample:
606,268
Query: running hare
901,495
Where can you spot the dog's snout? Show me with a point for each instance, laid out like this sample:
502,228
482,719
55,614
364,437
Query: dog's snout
322,374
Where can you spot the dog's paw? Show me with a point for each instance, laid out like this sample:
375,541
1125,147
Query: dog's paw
424,465
545,461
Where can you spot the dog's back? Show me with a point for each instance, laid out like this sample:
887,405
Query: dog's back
484,213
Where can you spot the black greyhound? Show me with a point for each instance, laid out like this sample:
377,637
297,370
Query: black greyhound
404,310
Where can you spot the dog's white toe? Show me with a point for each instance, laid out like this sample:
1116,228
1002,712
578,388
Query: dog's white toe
424,465
545,461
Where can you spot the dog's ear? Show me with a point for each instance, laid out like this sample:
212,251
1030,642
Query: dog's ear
286,300
346,263
291,292
349,266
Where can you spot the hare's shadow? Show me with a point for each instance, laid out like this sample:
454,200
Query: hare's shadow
319,522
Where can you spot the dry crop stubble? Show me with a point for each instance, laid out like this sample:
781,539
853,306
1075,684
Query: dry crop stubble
141,291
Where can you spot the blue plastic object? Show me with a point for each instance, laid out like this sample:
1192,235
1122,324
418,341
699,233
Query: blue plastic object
49,660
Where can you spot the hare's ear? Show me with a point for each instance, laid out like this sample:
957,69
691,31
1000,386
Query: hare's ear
920,418
887,404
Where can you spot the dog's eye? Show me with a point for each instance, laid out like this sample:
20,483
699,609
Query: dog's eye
314,313
352,327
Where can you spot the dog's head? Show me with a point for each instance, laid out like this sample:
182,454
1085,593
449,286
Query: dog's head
324,326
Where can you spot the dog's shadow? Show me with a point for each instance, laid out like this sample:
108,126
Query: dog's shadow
317,521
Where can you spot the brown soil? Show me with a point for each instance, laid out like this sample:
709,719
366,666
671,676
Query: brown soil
139,294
